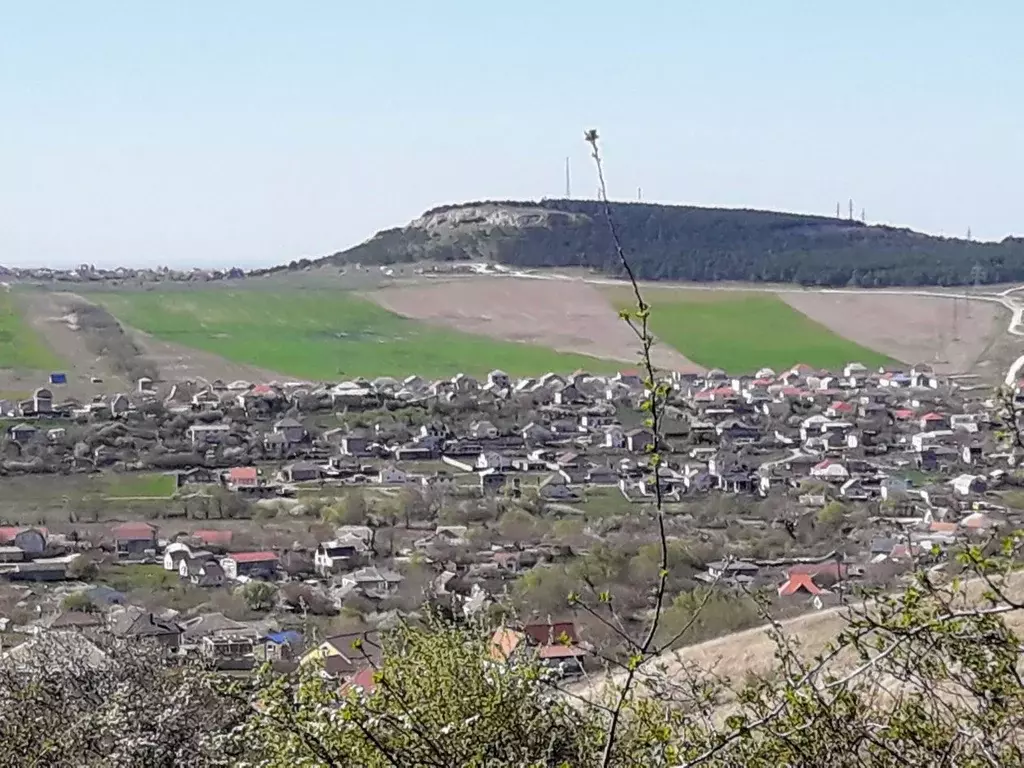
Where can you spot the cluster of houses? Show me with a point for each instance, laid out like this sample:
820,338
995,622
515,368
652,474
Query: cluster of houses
339,568
920,450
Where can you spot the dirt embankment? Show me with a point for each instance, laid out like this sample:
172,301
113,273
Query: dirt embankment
569,316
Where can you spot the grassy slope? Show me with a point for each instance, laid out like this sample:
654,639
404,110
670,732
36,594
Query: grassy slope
741,332
20,346
327,334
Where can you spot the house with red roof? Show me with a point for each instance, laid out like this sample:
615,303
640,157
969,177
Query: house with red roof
363,681
791,393
134,538
830,470
250,564
555,644
933,422
243,477
212,538
800,584
839,409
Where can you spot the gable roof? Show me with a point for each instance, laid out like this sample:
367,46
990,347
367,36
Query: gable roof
134,532
137,623
798,582
237,474
213,536
252,557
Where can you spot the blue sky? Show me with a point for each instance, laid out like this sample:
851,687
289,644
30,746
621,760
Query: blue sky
251,133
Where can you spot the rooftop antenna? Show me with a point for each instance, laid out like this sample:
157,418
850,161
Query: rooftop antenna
568,180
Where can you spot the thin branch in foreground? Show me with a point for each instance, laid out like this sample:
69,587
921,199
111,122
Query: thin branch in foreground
638,321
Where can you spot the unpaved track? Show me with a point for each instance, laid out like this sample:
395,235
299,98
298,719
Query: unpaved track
569,316
48,313
180,363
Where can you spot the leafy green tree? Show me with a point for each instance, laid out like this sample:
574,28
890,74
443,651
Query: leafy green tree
78,601
83,567
259,595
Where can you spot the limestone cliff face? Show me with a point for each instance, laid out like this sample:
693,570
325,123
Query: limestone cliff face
474,218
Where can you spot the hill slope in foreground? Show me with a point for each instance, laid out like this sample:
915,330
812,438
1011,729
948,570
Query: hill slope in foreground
688,243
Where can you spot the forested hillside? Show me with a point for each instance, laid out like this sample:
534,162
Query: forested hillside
688,243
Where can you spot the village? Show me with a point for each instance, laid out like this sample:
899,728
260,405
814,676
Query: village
300,516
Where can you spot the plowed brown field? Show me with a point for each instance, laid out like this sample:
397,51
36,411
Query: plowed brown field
566,315
915,329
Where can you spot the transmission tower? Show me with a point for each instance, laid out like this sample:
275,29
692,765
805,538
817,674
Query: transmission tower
977,277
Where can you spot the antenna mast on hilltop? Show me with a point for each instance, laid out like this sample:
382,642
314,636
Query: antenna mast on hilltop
851,209
568,180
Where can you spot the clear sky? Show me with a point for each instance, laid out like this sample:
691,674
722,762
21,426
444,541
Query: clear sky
253,132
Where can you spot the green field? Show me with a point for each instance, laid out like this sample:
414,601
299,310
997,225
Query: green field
326,335
140,485
20,346
740,332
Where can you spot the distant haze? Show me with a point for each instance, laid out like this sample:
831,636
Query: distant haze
254,133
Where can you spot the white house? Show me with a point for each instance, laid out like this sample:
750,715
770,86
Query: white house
391,475
614,436
854,369
967,484
493,460
174,554
498,379
337,554
830,470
